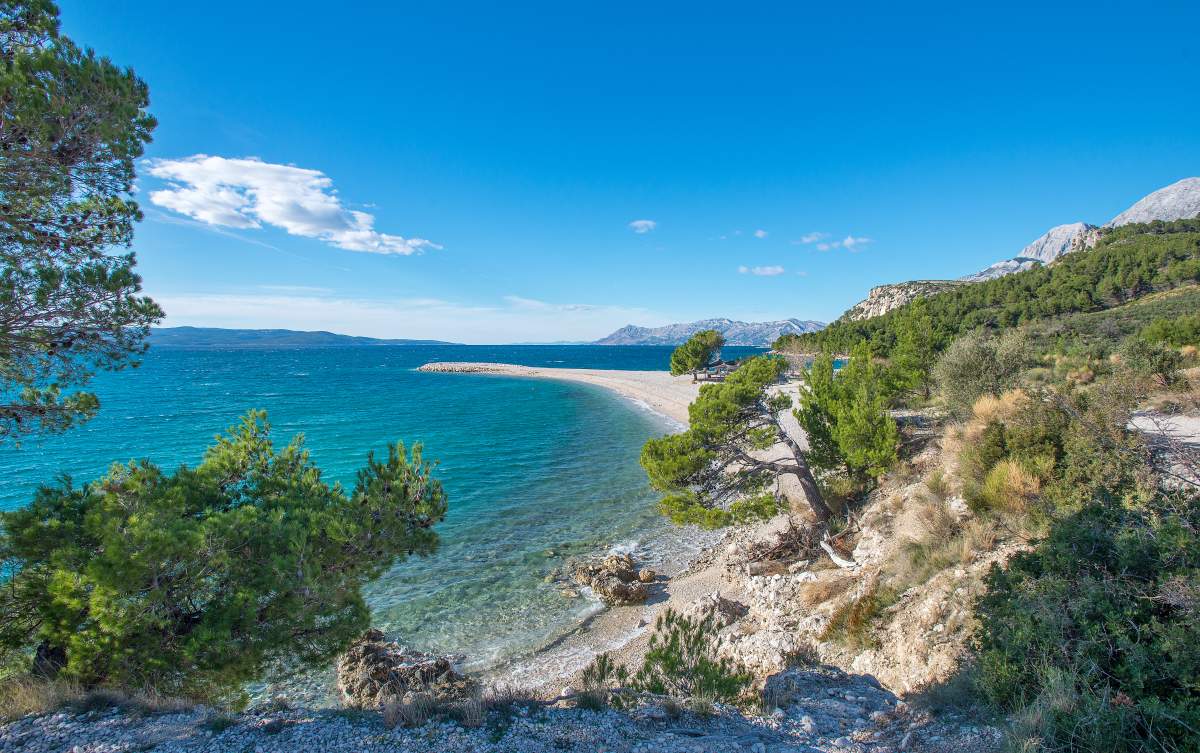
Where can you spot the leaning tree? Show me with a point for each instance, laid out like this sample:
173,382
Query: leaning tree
723,458
72,125
697,353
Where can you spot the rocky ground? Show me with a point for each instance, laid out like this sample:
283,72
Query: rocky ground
814,709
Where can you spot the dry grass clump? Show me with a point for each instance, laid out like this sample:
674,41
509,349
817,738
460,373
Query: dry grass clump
925,518
470,711
412,711
26,695
852,624
986,410
990,408
816,592
1009,487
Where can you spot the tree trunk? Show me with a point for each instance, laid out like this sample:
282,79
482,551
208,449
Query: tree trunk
812,494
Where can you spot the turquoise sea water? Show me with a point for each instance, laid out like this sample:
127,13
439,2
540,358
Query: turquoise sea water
532,467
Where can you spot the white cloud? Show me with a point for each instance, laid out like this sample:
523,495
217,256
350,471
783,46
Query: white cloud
850,243
760,233
770,271
513,319
808,238
248,193
641,227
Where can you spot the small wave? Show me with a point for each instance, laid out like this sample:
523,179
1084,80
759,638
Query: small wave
625,547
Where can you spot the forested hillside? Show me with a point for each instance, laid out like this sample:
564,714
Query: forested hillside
1127,264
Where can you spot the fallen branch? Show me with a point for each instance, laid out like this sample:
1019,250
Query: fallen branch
837,560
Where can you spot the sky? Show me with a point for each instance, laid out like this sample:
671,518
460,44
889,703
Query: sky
551,171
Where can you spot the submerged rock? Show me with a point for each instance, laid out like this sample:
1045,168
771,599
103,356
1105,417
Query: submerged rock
615,579
374,670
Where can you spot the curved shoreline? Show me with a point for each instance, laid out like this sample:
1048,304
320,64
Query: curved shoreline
623,631
662,393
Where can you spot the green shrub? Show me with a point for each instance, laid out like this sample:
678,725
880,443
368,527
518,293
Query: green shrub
1152,360
682,663
977,364
1095,635
1184,330
192,583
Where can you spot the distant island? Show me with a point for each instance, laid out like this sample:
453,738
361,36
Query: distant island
252,339
759,334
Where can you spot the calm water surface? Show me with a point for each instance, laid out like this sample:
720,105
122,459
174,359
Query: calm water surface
536,470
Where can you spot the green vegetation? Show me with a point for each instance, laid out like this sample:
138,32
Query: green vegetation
1092,638
711,466
1129,263
192,583
1184,330
978,365
73,126
697,353
846,419
1088,640
680,663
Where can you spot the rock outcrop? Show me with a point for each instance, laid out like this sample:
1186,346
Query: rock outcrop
616,579
883,298
723,612
375,670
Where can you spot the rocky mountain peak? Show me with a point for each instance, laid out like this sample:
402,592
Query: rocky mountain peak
1178,201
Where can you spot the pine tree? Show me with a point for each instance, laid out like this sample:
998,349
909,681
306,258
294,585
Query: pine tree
711,466
697,353
193,583
71,127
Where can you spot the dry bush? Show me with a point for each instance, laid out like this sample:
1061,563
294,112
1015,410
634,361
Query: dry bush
24,696
1009,487
816,592
507,696
990,408
1190,353
413,711
470,711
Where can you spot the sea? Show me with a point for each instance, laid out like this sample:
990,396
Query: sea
537,471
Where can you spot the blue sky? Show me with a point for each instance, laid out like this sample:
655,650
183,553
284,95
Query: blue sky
471,171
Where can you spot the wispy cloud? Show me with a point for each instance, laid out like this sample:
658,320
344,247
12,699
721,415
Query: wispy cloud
760,233
769,271
641,227
510,319
850,243
248,193
809,238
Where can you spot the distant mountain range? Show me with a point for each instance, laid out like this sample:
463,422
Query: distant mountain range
220,339
1178,201
760,334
